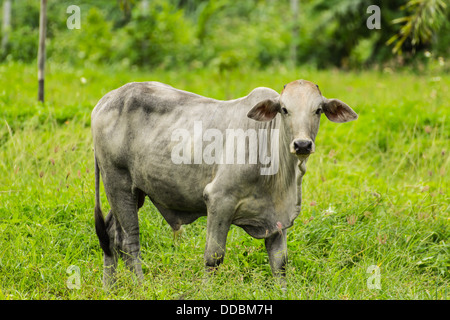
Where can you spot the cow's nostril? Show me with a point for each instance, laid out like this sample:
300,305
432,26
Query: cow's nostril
302,146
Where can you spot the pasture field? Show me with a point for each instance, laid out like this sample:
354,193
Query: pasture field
376,193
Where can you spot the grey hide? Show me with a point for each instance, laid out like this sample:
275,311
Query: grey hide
132,129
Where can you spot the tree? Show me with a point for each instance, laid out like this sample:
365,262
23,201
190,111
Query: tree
6,25
295,34
423,19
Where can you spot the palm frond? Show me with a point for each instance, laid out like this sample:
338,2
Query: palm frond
423,19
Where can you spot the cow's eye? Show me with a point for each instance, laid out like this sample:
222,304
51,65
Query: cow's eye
319,111
284,111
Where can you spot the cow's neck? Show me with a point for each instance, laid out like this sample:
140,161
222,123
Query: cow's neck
283,182
293,170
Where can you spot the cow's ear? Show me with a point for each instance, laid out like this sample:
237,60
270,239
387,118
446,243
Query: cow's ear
265,110
338,111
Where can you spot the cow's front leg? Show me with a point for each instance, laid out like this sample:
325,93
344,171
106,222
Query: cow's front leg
220,212
276,246
216,238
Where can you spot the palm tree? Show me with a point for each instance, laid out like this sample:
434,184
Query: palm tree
422,20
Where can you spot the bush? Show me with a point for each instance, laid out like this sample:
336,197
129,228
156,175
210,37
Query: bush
90,43
162,37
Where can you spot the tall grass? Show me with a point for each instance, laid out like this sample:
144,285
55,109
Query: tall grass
376,193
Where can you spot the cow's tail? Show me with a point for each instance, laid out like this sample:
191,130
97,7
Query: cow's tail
100,225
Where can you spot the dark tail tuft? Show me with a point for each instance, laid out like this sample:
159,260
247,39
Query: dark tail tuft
100,229
100,226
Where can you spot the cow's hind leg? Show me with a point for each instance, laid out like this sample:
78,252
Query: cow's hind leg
124,225
110,259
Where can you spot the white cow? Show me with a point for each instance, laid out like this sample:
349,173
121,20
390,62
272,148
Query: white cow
149,140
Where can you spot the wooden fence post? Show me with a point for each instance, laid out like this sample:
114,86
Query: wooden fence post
41,49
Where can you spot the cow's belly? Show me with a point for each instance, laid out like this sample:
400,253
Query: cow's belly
156,171
175,187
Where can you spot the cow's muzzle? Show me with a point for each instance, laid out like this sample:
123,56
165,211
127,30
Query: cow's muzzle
303,147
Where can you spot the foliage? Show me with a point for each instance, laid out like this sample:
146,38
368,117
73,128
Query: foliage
162,36
376,193
225,34
426,17
93,44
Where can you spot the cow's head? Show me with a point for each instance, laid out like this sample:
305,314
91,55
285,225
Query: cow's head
301,103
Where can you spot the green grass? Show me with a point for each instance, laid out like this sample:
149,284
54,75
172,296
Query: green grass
376,193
